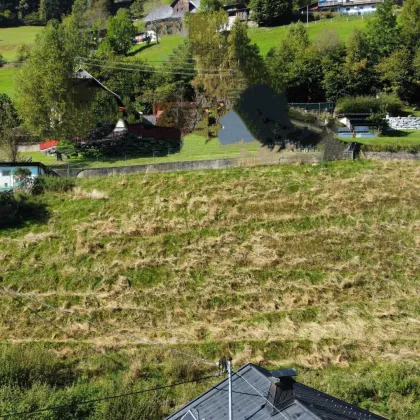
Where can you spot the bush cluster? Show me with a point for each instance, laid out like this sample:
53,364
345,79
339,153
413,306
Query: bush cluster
392,148
47,183
369,104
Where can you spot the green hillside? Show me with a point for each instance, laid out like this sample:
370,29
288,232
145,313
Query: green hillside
158,52
314,267
7,82
12,38
266,38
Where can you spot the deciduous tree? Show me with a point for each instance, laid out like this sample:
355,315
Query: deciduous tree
137,8
410,22
383,32
121,32
271,12
50,101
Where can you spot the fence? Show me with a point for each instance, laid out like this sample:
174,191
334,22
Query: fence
274,159
319,107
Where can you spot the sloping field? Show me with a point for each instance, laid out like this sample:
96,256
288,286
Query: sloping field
267,38
154,53
315,267
7,81
12,38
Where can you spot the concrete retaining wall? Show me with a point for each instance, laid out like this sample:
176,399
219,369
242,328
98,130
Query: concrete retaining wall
404,123
197,165
391,155
29,147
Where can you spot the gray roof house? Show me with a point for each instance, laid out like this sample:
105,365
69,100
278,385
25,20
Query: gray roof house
260,394
176,10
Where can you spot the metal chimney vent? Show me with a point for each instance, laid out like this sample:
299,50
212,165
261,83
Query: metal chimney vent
281,393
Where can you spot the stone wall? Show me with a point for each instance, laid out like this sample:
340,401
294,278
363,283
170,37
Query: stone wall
391,155
274,159
404,123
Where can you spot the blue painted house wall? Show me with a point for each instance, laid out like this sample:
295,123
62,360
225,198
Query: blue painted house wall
7,180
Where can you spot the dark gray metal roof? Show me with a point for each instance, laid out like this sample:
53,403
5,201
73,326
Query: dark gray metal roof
82,74
160,13
250,391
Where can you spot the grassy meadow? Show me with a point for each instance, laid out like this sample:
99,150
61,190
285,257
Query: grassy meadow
12,38
315,267
7,81
157,52
267,38
393,140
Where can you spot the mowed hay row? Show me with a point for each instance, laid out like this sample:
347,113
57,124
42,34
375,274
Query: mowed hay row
306,254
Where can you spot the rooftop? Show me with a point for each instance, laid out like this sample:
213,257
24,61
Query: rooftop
260,394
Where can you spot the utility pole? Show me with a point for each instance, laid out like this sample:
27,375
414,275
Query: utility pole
229,364
307,15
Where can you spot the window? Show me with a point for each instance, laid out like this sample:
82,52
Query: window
6,173
6,185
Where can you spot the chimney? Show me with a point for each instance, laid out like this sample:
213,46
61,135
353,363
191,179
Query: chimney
281,393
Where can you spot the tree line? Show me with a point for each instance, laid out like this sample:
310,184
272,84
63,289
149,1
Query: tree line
39,12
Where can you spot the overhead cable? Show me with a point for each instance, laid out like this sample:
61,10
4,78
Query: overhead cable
107,329
259,393
96,400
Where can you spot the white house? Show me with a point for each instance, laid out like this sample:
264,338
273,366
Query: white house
8,181
345,7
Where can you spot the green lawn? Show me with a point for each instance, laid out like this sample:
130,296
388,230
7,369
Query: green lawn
398,138
6,81
157,52
195,148
266,38
12,38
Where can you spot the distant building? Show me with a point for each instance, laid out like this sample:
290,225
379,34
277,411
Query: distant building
171,15
142,37
237,11
345,7
9,182
260,394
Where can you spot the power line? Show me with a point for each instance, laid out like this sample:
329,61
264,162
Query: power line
145,70
107,329
111,397
259,393
143,66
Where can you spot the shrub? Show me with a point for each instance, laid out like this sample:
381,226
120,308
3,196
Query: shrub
393,148
33,19
369,104
23,52
2,61
379,122
306,117
47,183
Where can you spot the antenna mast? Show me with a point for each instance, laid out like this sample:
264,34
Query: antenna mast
229,365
